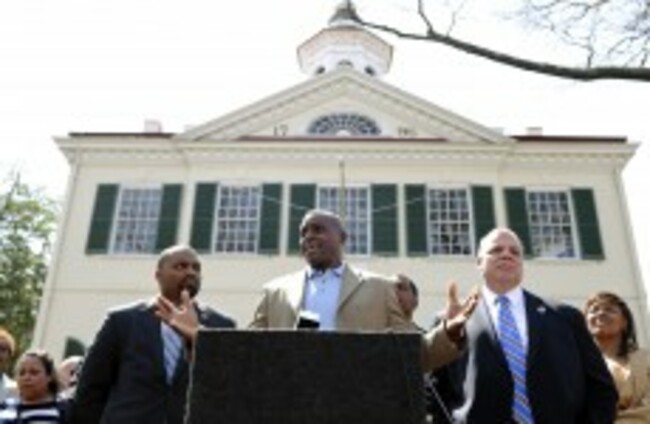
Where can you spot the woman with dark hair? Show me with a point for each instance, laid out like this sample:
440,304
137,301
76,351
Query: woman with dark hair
612,326
38,388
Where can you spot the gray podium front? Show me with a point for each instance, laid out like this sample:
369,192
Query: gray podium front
305,376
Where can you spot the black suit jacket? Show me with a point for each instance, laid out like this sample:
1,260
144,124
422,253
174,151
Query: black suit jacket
567,379
123,378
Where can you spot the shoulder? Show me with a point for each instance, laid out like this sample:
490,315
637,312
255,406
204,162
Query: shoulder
283,282
215,317
554,306
371,277
129,308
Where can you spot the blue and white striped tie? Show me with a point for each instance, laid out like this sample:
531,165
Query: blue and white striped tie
171,350
516,357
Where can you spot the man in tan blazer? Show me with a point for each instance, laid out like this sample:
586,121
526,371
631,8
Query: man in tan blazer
340,297
347,299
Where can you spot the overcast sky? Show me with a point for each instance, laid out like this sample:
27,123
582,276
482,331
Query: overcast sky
90,65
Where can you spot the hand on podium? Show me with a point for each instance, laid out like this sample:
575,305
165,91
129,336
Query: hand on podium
182,318
457,314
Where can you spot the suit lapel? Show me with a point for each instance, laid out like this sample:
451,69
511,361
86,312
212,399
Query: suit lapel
482,333
349,284
295,293
149,325
535,311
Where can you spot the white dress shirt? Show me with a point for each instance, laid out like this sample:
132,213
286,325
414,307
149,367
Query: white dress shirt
517,306
321,296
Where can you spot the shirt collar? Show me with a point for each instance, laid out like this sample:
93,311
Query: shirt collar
312,273
516,296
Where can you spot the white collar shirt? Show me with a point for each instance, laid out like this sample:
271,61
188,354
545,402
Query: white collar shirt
517,306
321,295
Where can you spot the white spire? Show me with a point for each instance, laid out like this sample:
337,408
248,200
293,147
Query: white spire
345,43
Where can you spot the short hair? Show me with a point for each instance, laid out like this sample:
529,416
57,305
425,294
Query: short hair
48,365
9,338
411,283
628,338
328,214
171,250
482,246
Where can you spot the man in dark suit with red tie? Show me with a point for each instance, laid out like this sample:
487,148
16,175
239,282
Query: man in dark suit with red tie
136,371
527,360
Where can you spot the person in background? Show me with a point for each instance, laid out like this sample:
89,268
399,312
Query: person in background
136,371
407,295
68,374
7,350
527,360
38,388
611,324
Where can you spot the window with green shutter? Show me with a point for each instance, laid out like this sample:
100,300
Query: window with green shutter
269,240
203,216
584,206
416,220
517,216
302,199
102,219
384,219
170,210
483,211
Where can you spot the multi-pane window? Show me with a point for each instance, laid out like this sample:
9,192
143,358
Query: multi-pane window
551,229
344,124
136,226
449,221
237,219
354,207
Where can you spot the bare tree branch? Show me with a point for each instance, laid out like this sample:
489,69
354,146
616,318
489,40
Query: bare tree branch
577,73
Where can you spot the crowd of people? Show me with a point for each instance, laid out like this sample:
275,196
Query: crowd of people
502,355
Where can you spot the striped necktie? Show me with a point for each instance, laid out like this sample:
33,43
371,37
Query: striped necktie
171,350
516,357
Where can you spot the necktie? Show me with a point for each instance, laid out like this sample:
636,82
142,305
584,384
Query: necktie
516,357
171,350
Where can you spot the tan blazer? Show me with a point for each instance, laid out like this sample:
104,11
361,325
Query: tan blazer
633,384
367,302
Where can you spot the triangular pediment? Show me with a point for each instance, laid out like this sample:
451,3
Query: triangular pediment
349,94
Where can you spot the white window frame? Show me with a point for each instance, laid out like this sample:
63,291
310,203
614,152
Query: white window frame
368,217
256,224
471,243
577,254
115,232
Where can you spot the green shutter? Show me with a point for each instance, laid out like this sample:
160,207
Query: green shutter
203,216
587,219
269,241
384,219
302,199
517,215
170,210
73,347
416,220
102,219
483,210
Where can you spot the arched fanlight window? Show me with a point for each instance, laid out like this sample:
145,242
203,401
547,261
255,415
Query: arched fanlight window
345,124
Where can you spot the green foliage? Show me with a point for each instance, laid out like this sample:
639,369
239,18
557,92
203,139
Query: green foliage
27,223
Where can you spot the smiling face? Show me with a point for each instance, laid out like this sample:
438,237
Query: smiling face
605,320
179,268
321,239
33,380
500,260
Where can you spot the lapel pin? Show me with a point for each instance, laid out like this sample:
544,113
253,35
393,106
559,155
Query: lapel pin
541,309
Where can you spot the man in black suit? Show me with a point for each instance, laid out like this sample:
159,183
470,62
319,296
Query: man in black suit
131,373
527,360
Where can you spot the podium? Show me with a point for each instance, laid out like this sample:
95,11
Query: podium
305,376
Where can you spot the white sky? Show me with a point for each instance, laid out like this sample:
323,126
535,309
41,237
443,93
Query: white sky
91,65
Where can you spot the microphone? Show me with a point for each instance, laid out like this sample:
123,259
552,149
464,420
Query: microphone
307,320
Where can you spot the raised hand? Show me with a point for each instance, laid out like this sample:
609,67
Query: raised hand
182,318
457,313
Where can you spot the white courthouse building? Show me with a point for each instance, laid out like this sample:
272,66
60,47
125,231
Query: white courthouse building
417,184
